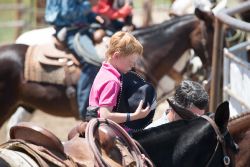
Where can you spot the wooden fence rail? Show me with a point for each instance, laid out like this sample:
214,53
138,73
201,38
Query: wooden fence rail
17,24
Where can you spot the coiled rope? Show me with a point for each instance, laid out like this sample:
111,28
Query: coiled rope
141,159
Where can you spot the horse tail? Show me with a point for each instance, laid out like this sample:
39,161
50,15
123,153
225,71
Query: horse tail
11,66
15,158
11,76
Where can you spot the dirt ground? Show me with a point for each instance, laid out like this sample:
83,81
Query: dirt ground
61,126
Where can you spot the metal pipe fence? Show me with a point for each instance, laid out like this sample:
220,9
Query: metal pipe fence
236,79
222,18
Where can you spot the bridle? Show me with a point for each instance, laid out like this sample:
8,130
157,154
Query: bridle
187,114
220,140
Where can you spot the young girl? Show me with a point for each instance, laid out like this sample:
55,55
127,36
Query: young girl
122,53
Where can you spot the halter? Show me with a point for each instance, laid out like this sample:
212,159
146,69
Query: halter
220,140
187,114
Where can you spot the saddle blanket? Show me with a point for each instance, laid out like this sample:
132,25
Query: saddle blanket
38,71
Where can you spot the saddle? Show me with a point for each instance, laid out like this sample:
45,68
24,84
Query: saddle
93,141
46,63
53,56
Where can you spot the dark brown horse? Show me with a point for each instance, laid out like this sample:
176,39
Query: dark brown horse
161,53
239,128
163,46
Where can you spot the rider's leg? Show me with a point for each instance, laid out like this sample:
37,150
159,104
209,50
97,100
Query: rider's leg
85,82
70,44
84,85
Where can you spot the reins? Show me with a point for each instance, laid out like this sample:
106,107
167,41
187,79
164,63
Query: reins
141,159
220,140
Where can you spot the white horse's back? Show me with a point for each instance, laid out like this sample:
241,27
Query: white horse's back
38,36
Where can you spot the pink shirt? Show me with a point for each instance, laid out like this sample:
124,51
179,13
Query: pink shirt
106,87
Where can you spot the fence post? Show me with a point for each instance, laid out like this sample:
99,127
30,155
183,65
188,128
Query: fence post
216,91
39,14
18,17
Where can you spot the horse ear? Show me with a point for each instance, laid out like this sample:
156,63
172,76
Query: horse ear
208,17
222,115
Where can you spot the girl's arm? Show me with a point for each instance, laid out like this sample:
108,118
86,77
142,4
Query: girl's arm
106,112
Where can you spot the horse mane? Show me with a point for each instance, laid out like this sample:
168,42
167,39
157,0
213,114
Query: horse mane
234,118
239,124
151,30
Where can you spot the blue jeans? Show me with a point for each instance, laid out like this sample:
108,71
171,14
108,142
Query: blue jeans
70,44
86,79
84,85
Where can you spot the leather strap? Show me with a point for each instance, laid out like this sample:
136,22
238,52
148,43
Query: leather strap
220,139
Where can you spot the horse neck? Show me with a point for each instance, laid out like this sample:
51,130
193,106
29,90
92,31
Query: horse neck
165,43
177,142
239,124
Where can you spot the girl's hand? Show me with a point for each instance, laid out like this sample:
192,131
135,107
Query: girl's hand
140,112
